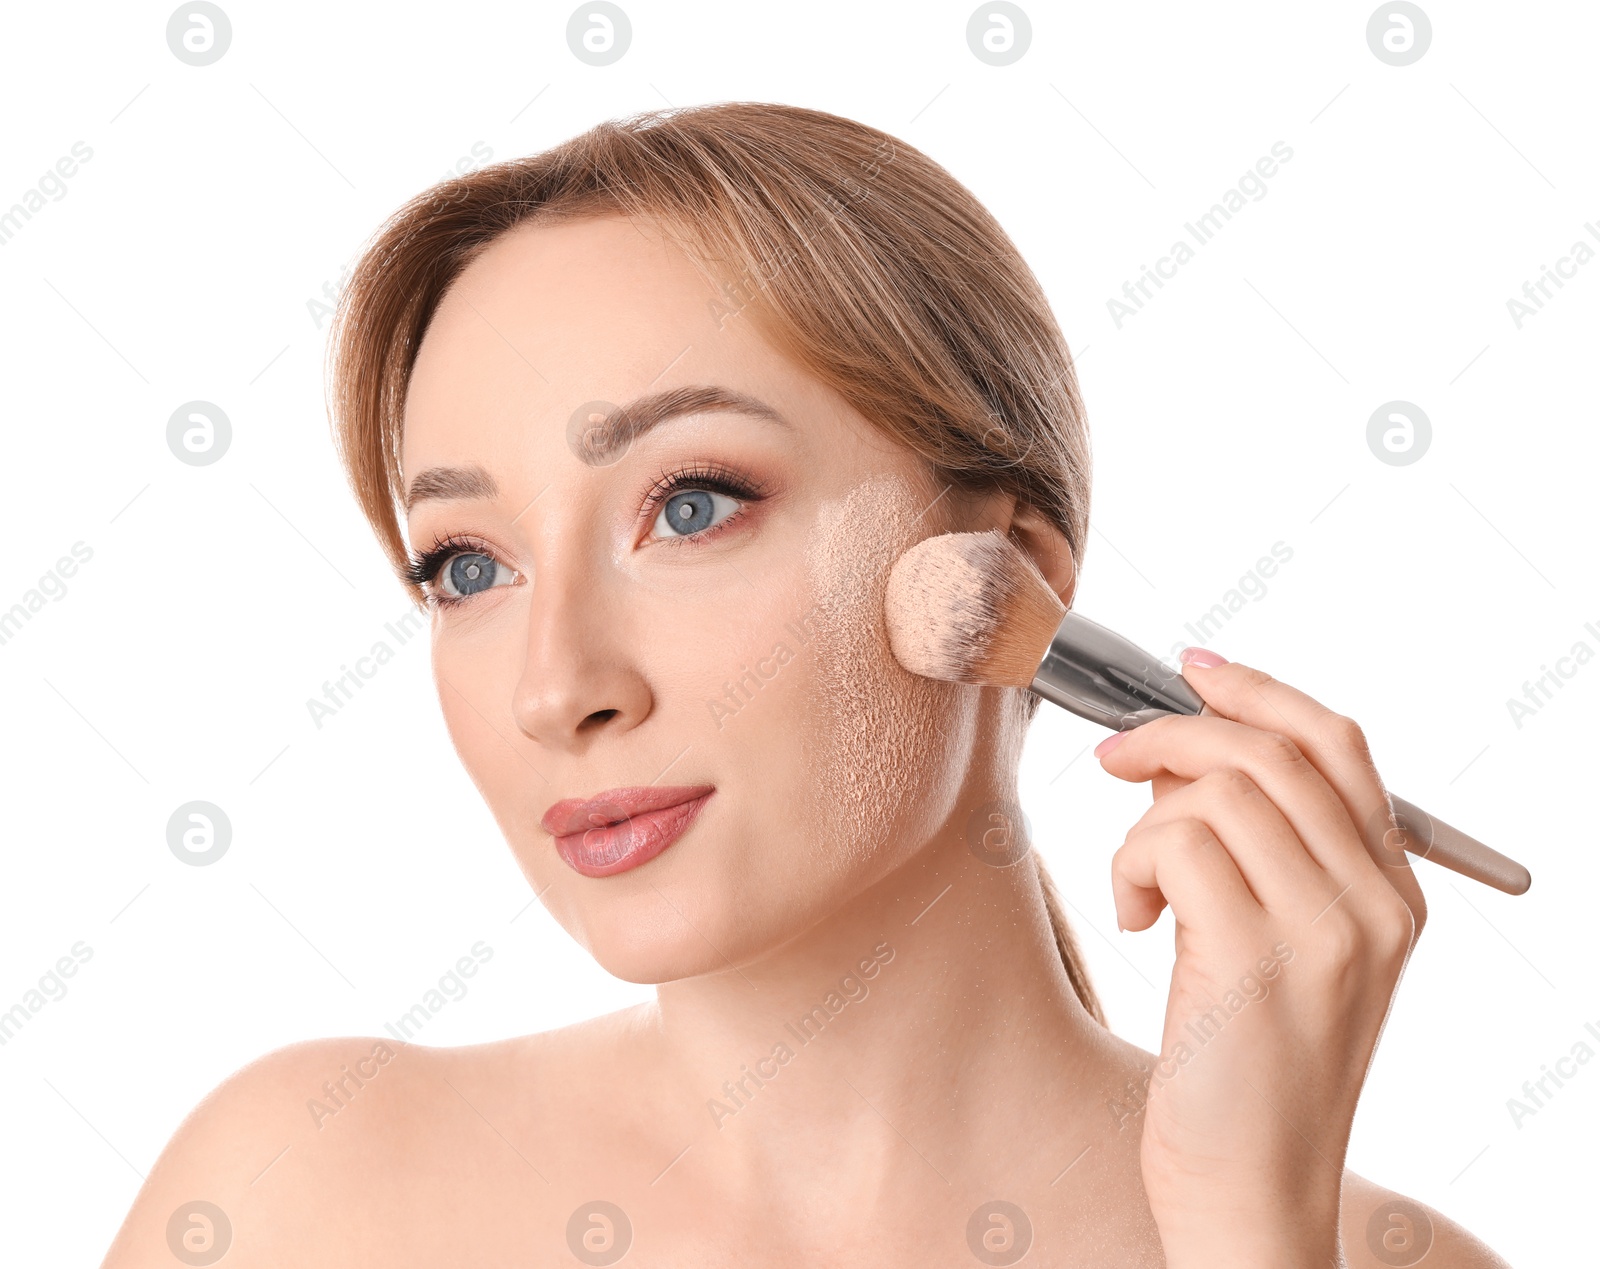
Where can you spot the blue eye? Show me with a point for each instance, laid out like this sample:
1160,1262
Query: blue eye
454,569
692,511
470,572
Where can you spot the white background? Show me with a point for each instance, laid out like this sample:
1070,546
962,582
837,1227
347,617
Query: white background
1229,414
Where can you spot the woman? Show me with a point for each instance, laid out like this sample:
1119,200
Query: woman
645,420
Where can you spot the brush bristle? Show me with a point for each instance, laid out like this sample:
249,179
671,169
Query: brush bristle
970,608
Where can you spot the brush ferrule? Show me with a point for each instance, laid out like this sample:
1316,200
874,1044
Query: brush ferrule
1097,674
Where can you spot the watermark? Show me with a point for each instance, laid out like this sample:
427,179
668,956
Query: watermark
997,439
367,1070
999,1233
199,833
1538,1093
592,437
339,692
199,1233
198,433
599,1233
1198,1032
1399,1232
1393,836
742,291
999,33
1537,293
450,988
1398,33
740,1091
51,987
738,693
1202,229
1539,692
319,308
599,33
1250,588
469,162
997,833
198,33
52,585
1399,433
52,185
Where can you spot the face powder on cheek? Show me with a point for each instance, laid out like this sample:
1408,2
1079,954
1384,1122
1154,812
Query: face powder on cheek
878,733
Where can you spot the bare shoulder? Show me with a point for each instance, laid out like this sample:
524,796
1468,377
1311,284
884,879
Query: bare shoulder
1381,1228
260,1141
347,1142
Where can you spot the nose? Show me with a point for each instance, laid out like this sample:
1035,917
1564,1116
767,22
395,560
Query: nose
579,681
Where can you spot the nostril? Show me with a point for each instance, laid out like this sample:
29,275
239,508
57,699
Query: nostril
597,719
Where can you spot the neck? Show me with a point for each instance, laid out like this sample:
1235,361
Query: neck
922,1029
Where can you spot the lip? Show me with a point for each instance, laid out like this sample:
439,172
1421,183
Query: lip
622,828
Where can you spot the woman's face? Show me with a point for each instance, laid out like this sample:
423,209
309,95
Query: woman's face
688,614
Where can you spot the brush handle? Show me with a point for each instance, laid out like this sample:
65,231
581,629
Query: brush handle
1096,674
1450,847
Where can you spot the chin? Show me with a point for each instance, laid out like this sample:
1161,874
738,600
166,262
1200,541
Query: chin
743,880
678,915
640,939
699,908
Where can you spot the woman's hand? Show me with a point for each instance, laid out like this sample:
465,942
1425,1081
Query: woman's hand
1292,931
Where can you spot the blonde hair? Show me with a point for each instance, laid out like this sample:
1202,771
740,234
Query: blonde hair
850,252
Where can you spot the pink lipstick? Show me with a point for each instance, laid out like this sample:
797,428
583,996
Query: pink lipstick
622,828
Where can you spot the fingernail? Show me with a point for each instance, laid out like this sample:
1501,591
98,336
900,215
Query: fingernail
1109,743
1202,657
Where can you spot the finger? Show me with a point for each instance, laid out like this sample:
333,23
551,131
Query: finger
1194,746
1331,742
1180,863
1267,852
1164,782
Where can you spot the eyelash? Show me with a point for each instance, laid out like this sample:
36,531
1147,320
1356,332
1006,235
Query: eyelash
424,568
710,476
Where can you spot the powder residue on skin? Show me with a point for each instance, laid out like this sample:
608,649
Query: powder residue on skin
879,727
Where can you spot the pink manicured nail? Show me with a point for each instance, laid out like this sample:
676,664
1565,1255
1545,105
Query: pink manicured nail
1108,744
1203,657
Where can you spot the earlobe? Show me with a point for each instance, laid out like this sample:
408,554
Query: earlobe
1048,547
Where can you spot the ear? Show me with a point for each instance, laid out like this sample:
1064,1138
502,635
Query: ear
1027,528
1047,546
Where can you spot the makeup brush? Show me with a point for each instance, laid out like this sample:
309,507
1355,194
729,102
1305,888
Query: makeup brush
973,608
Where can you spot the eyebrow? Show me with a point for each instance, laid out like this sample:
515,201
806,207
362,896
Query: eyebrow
603,441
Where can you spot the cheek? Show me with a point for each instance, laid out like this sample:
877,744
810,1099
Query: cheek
474,679
730,679
890,748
